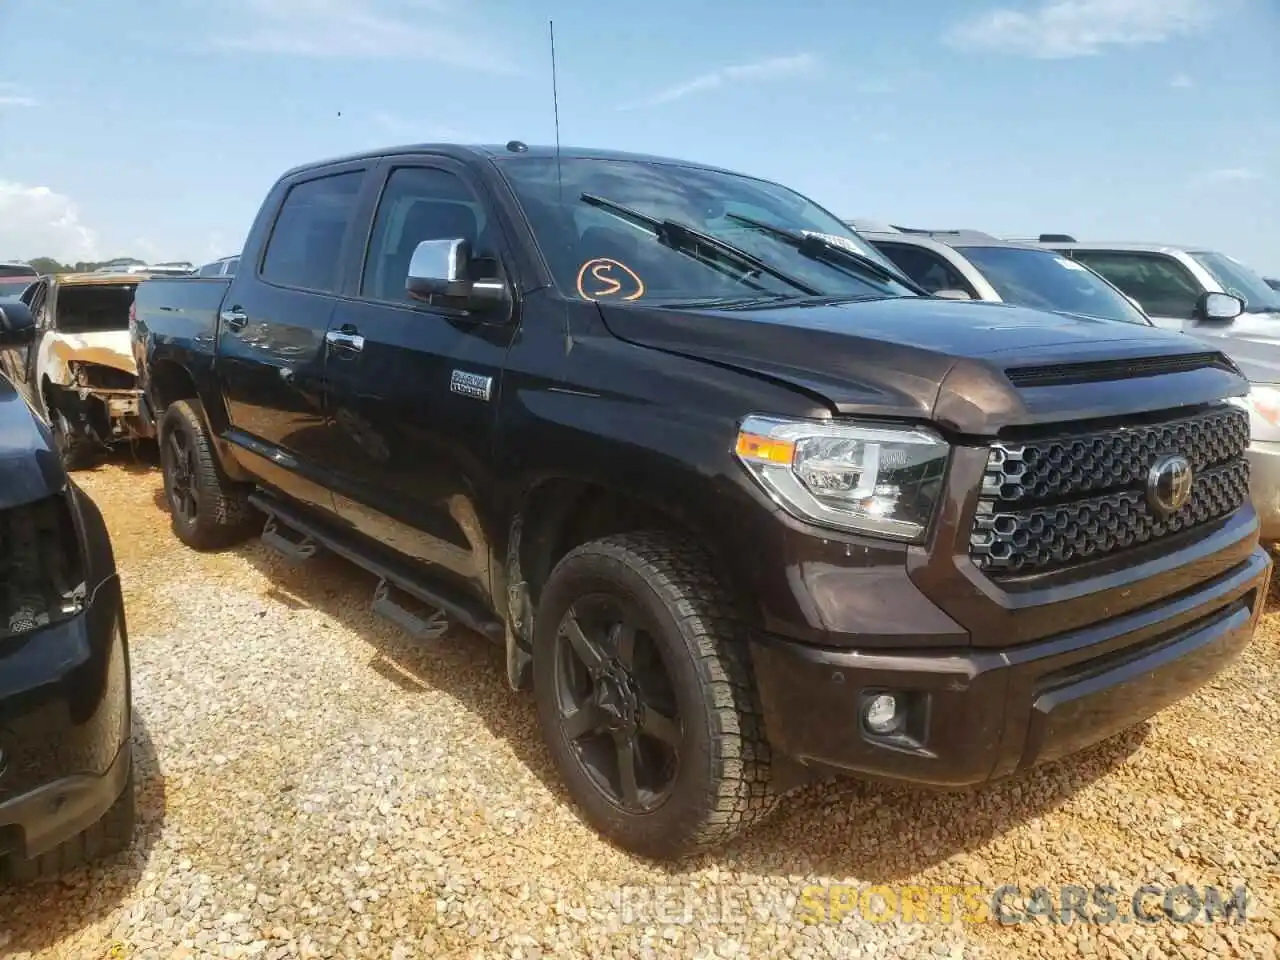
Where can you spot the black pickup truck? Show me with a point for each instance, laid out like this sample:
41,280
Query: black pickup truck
742,503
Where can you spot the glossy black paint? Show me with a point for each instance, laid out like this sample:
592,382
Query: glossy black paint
643,402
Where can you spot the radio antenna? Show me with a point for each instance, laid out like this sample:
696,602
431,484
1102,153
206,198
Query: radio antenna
555,102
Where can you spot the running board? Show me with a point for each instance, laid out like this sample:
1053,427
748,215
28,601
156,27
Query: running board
287,547
447,605
431,627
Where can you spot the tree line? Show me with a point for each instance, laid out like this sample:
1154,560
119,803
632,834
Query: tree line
50,265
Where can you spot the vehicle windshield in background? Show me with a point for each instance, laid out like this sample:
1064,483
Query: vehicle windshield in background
1047,281
627,230
94,308
1238,279
12,288
8,270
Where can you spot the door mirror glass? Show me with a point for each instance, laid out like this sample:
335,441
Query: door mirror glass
17,328
953,294
1219,307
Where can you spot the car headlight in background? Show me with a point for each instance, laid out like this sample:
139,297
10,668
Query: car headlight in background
1262,401
878,480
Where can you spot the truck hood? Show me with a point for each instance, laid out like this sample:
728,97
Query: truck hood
29,464
941,360
111,349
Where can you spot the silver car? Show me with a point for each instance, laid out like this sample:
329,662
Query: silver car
1218,299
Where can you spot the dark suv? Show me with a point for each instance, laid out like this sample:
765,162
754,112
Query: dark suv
66,762
738,499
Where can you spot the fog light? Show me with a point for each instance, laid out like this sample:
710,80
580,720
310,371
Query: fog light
881,713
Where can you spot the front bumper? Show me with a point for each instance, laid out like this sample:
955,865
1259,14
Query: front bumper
64,725
981,713
1264,487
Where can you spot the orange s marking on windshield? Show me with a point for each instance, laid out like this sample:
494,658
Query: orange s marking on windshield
603,277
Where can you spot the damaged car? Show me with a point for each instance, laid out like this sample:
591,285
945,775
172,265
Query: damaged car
79,371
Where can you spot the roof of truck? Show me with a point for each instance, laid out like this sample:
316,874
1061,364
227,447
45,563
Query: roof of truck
502,151
89,279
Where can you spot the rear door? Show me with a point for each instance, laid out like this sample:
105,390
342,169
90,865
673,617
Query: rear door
414,387
271,346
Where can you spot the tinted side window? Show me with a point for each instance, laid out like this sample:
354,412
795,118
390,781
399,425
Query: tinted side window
1159,283
230,271
210,269
926,268
306,242
420,203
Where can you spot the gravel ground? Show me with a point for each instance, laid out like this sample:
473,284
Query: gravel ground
314,784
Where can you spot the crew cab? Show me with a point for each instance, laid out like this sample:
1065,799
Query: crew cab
79,371
740,501
66,759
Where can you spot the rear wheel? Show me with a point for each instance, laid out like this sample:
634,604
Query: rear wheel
645,696
207,509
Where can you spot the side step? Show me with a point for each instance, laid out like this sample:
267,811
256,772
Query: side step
286,546
395,577
430,627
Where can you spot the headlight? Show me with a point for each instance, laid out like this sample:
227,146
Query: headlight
1262,401
877,480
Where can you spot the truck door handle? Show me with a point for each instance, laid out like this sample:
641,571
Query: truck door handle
345,341
235,318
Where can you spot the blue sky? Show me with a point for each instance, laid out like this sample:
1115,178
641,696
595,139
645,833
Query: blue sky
153,127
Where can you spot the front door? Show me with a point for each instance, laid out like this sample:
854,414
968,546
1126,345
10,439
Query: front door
413,388
1165,288
271,334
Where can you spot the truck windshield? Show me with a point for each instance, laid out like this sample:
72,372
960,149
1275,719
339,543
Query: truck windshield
1238,279
1048,281
600,225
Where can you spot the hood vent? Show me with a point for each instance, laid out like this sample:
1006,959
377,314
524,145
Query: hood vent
1062,374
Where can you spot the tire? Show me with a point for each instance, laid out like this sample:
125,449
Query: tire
76,453
109,836
208,511
720,783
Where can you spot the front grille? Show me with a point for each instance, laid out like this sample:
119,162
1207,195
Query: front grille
1050,503
41,580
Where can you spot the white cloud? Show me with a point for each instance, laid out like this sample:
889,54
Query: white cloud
405,130
38,222
775,68
1230,175
13,95
1182,82
1059,29
360,29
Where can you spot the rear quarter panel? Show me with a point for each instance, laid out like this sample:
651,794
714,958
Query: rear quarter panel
176,322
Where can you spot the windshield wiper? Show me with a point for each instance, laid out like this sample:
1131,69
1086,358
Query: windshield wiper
687,240
816,247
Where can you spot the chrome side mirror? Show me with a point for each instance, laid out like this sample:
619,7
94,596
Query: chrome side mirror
439,267
443,268
1219,307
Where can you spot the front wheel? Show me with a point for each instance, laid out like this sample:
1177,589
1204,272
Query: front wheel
75,450
645,696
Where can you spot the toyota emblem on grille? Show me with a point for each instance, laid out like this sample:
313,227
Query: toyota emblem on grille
1169,484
